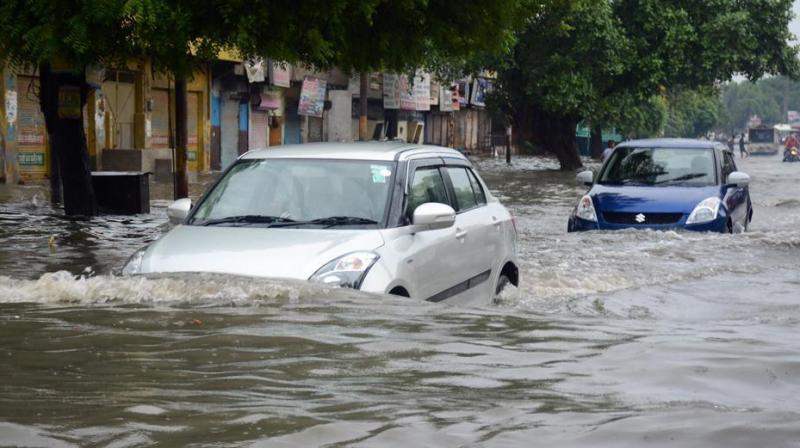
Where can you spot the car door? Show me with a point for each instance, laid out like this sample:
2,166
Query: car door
735,198
477,234
430,260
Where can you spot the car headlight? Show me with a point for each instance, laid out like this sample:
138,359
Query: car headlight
134,263
347,271
585,209
706,211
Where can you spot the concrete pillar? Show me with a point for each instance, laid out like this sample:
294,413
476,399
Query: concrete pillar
8,126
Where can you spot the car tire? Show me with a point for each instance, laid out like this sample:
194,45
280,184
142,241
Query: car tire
502,283
747,220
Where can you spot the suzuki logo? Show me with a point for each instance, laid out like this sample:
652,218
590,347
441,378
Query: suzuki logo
640,218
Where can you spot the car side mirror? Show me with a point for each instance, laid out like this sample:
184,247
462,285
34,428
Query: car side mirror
433,216
179,210
585,178
738,179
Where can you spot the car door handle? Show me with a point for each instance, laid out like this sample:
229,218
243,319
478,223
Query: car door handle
460,234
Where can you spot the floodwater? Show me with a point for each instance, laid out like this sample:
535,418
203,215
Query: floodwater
626,339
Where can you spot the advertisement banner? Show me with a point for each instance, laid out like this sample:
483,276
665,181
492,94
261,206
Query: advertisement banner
422,91
280,74
407,101
463,91
436,90
255,70
391,91
312,97
445,99
793,117
480,87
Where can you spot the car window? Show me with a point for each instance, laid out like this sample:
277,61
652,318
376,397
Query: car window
465,195
728,165
480,196
427,185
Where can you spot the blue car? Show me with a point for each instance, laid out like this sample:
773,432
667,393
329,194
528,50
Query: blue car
666,184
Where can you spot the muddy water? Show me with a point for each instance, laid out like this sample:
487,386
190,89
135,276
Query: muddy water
614,339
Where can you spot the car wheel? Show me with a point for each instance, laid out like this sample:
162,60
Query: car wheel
502,283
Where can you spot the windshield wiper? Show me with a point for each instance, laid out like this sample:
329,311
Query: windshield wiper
682,178
247,219
330,221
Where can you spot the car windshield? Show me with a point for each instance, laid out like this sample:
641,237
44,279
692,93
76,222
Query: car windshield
299,193
660,167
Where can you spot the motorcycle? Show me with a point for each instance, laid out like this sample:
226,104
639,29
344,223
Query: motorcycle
791,155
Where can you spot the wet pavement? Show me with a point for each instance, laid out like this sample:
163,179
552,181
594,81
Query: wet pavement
632,338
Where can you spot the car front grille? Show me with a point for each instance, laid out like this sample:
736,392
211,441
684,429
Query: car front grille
649,218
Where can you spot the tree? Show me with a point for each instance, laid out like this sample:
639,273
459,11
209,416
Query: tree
769,98
179,35
568,55
585,59
693,113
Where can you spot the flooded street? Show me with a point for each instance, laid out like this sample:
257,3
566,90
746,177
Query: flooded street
625,339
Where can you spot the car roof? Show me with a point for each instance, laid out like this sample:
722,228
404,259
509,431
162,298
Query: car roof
387,151
685,143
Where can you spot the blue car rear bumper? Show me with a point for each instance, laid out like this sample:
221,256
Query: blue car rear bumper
580,225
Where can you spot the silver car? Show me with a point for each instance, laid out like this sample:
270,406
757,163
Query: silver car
396,218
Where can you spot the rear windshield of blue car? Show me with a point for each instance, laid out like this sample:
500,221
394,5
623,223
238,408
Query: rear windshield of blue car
660,167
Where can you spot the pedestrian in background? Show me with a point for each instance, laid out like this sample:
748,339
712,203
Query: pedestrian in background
731,143
609,149
742,149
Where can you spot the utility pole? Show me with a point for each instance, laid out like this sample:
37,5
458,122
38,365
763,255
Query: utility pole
508,143
181,139
363,127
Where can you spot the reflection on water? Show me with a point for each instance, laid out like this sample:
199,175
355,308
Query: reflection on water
614,339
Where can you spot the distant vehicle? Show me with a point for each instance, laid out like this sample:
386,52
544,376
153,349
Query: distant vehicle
395,218
666,184
763,141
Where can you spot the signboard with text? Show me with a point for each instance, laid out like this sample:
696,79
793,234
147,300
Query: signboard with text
312,97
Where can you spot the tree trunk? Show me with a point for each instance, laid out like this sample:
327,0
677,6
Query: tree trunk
561,135
181,138
55,179
596,142
553,132
62,97
363,128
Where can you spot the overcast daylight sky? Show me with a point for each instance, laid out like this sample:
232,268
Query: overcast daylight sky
795,26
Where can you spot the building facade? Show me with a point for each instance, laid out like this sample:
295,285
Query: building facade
235,106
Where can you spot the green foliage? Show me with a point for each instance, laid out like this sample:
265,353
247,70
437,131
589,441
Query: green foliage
641,118
693,113
75,31
609,60
351,34
764,98
569,54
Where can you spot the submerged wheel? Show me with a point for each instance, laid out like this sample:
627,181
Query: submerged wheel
502,282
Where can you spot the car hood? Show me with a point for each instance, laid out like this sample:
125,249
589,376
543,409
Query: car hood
275,253
636,199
